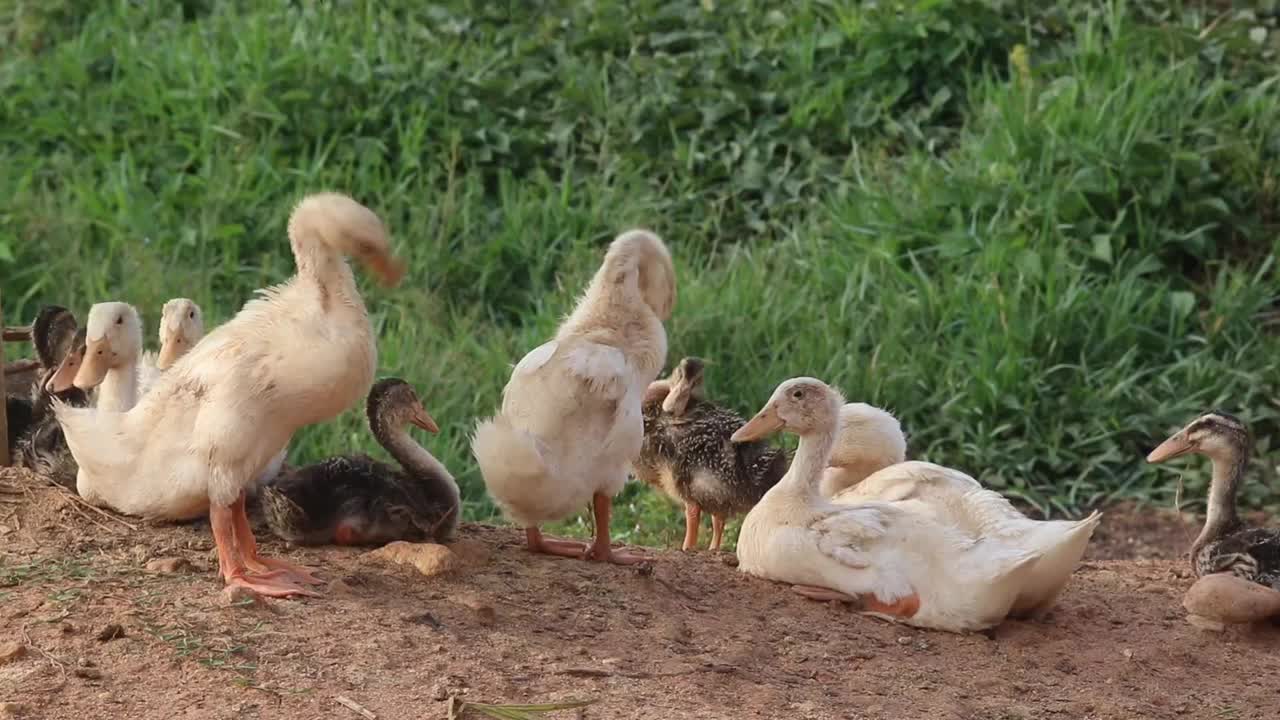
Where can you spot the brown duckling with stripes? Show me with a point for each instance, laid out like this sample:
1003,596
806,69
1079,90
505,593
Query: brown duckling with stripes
51,336
687,453
1225,544
356,500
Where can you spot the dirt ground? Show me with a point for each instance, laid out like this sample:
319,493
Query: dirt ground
87,631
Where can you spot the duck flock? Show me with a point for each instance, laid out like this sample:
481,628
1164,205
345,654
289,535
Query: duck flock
202,427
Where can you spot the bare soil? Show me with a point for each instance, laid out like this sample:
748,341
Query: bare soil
98,635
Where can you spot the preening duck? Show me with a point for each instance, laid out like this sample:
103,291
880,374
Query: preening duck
300,354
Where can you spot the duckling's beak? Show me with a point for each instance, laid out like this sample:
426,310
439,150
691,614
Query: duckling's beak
1171,448
96,364
389,268
423,420
656,391
64,377
677,399
766,422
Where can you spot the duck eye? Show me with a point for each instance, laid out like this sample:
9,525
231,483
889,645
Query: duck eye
120,320
192,314
797,394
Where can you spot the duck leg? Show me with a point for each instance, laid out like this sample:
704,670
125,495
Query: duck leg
601,550
232,566
692,521
717,530
549,546
868,602
248,547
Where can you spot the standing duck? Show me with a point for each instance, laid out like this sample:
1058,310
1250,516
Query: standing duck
688,456
1225,544
895,560
570,423
300,354
356,500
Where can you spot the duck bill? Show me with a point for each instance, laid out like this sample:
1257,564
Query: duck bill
170,351
657,391
424,420
389,269
95,365
1169,449
64,377
677,399
765,423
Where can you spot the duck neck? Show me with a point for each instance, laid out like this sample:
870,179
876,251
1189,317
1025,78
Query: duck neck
119,389
810,461
328,269
1221,517
416,461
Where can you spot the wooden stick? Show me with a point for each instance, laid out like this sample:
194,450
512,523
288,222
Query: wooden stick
355,707
4,412
21,333
21,366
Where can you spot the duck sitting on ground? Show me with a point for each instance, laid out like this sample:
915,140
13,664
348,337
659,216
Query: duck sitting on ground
687,454
1225,544
570,423
897,560
60,348
181,327
356,500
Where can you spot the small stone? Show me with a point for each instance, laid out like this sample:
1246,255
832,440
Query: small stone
863,655
114,631
922,645
611,661
440,691
430,559
483,610
729,559
240,596
12,651
904,640
1225,598
88,673
167,565
67,628
1128,654
1065,666
12,710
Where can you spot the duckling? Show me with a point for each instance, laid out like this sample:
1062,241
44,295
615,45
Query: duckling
1225,545
687,454
356,500
43,448
51,333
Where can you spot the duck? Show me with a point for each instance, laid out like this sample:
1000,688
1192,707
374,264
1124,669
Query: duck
181,327
356,500
299,354
1225,544
570,422
51,333
59,346
113,347
686,453
958,500
870,439
893,560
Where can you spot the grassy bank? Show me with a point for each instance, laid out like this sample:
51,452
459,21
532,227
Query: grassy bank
1042,235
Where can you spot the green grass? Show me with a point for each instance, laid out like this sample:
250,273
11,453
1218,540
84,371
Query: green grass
1043,265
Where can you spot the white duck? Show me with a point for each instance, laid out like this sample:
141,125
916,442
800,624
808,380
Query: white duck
181,327
869,439
113,347
570,422
894,560
300,354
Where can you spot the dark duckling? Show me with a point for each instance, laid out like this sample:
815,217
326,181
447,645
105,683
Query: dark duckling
1225,545
43,448
356,500
50,335
687,453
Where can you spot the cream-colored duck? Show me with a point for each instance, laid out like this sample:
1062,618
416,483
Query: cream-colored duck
870,439
570,421
181,327
300,354
869,435
892,559
113,348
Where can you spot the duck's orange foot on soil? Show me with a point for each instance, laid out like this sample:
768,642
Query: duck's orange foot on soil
904,607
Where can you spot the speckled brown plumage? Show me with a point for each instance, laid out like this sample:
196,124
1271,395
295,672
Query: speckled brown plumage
688,455
1225,544
41,445
357,500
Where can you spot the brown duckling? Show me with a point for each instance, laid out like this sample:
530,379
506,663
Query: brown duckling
44,446
50,335
1225,545
356,500
688,456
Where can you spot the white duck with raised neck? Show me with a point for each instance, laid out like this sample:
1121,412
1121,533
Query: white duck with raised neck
892,560
113,345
